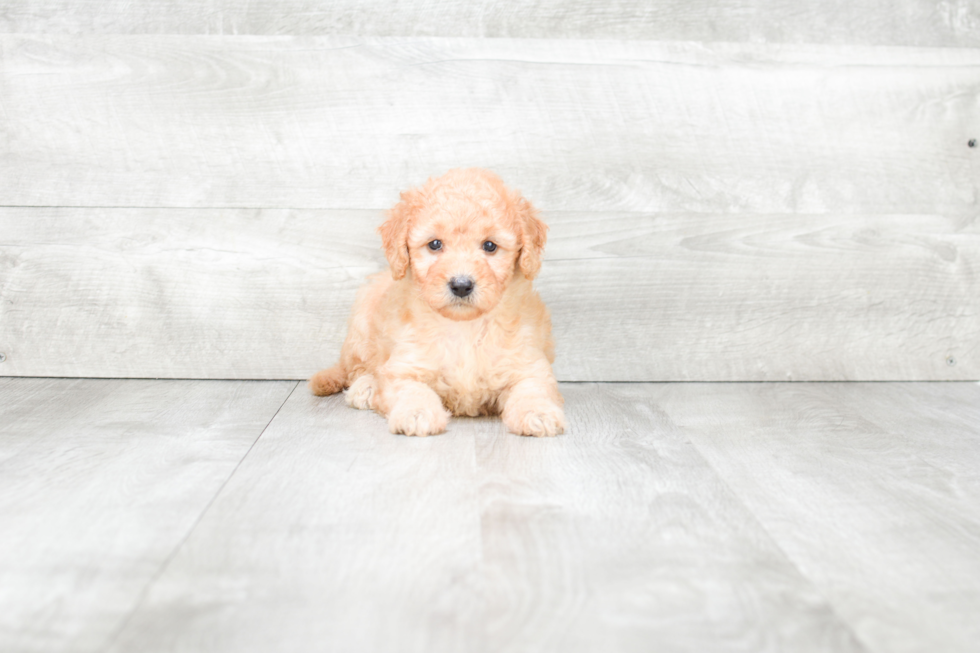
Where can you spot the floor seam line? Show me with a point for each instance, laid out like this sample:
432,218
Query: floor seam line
813,585
180,545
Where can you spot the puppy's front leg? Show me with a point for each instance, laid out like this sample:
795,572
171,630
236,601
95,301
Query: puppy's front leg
412,407
533,406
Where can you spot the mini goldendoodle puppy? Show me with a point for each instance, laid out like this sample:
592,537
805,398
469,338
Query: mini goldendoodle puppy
454,324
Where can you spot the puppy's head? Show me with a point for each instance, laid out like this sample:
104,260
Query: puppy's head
463,237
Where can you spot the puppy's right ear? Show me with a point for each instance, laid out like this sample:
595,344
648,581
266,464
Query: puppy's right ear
534,233
394,232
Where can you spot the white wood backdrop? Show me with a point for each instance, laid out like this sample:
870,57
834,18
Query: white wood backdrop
243,293
188,205
848,22
332,122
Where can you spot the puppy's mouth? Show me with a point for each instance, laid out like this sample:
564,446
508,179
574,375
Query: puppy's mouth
462,305
461,311
462,308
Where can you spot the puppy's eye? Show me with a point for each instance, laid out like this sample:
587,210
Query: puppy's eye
435,245
489,247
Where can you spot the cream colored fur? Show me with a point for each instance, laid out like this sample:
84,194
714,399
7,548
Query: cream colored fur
416,353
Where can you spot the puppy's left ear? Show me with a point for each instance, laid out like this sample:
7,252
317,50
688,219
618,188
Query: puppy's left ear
394,232
534,234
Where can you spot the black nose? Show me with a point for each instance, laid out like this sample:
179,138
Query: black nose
461,286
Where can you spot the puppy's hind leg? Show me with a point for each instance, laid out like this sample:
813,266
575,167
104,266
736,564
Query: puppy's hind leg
328,381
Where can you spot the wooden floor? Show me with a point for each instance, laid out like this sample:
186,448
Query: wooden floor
140,515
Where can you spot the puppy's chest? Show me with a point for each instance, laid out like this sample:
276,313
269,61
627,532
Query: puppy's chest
473,367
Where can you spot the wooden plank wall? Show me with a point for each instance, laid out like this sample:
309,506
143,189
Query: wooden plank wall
736,190
855,22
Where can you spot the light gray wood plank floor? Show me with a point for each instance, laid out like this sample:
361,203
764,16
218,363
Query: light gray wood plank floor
885,478
221,516
100,480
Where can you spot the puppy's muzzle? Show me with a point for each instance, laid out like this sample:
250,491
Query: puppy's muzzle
461,286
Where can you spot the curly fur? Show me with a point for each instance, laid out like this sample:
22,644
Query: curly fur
416,353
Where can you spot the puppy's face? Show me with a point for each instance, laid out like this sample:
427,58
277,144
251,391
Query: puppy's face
462,257
463,236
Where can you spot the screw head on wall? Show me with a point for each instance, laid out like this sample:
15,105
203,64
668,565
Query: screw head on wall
3,357
950,361
972,142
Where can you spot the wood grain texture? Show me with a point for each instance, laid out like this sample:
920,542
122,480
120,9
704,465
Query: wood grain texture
334,535
99,482
342,122
872,490
618,537
697,517
634,297
870,22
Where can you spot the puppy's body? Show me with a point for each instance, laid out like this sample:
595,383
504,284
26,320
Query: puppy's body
419,342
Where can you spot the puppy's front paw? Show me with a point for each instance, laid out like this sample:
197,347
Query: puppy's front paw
361,392
544,420
418,420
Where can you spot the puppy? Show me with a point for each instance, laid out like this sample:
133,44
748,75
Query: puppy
454,327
